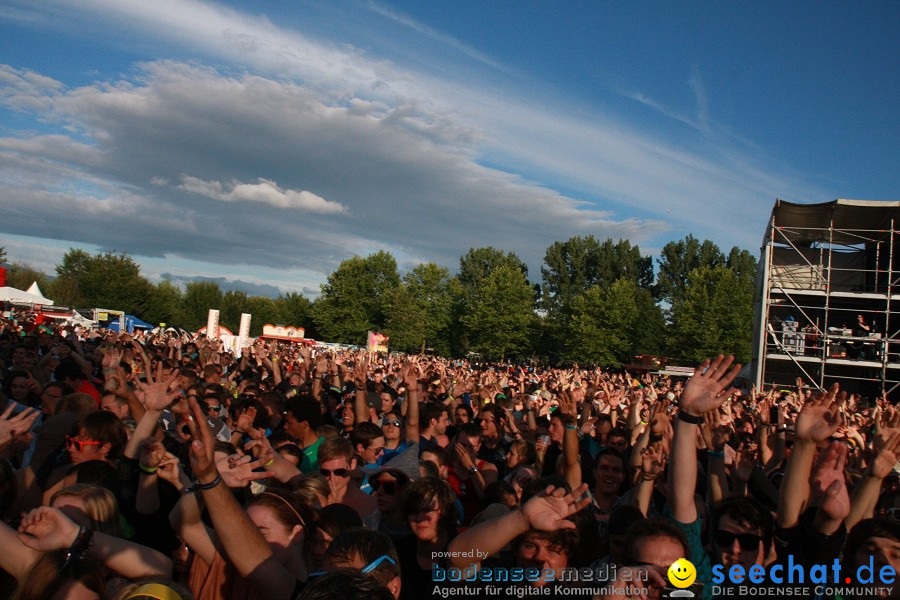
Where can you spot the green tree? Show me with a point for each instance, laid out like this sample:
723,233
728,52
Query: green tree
164,304
429,285
199,298
499,316
574,266
295,310
264,311
478,263
2,254
676,262
742,263
613,323
714,314
234,302
106,280
406,321
355,298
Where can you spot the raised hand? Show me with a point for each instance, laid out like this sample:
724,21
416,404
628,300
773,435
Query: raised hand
653,461
887,457
239,470
820,417
203,444
709,387
152,453
548,511
13,426
156,393
828,484
245,420
715,433
170,470
45,529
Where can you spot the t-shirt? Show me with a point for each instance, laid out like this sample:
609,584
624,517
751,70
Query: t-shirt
389,454
310,462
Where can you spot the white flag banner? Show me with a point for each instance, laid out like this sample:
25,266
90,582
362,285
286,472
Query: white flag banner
212,324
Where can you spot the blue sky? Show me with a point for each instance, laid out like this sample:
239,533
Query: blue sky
266,141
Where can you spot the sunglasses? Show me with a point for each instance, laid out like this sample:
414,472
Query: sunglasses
394,423
747,541
337,472
366,569
389,487
79,445
377,450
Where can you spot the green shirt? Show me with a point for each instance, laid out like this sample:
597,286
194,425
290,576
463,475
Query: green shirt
310,462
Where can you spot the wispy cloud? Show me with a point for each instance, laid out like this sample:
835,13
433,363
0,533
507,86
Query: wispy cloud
445,40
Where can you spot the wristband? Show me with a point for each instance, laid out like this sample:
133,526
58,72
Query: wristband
644,423
146,470
646,477
207,486
268,464
715,453
689,418
570,426
80,546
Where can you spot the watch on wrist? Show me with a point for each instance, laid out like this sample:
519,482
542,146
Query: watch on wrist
689,418
473,469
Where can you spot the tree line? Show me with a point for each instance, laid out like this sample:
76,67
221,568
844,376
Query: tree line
597,302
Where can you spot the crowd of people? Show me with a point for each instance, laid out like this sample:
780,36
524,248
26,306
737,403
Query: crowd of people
162,466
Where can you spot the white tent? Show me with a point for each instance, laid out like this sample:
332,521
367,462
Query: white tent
9,294
34,289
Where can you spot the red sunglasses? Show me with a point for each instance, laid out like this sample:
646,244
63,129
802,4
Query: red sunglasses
78,445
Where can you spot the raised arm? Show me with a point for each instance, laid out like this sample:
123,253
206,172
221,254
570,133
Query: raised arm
244,545
706,391
45,529
865,495
547,511
818,420
411,379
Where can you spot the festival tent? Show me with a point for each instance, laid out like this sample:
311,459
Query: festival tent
34,289
131,323
10,294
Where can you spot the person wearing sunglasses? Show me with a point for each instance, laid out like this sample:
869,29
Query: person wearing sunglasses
336,463
743,533
100,435
388,486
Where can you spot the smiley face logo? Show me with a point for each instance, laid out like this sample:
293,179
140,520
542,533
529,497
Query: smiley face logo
682,573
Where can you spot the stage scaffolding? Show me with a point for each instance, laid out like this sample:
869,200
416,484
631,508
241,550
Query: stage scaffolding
823,268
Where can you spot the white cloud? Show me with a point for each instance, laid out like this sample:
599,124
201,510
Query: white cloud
265,191
404,151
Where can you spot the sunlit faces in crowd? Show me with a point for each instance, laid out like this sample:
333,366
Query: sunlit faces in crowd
609,472
391,427
429,506
371,453
282,520
113,404
617,440
877,540
743,532
387,488
546,551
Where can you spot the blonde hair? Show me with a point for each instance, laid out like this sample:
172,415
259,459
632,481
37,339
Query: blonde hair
310,488
77,403
99,505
